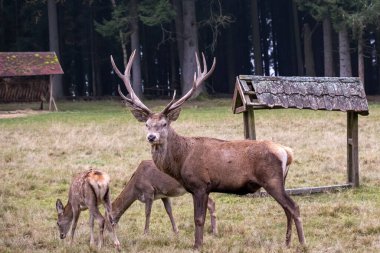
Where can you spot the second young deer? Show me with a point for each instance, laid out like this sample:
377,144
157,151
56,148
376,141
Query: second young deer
148,184
87,191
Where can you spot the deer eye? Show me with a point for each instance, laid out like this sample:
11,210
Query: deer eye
146,124
164,125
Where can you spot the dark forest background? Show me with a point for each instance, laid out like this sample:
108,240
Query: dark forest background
261,37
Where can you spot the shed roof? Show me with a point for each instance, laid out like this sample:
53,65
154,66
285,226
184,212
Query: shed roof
317,93
29,64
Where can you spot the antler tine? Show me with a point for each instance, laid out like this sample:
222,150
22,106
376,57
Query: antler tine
198,65
170,103
123,96
199,77
134,101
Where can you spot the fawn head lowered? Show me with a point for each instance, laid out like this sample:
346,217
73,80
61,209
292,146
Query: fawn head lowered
157,124
64,222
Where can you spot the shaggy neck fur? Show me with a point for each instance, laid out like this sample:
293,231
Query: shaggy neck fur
169,155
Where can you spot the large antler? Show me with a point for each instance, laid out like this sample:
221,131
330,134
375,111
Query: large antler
134,101
199,77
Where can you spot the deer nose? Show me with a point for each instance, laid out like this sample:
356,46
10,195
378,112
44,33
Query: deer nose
63,236
151,138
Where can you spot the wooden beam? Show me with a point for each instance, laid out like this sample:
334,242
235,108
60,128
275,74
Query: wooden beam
249,124
307,190
352,149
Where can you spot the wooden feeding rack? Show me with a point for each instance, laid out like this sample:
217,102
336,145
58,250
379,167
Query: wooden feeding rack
344,94
20,64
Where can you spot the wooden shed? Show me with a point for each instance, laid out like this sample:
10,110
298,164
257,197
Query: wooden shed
20,76
344,94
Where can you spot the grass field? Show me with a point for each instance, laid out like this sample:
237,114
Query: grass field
40,153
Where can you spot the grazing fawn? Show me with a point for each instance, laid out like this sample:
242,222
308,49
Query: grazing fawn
87,191
203,165
148,184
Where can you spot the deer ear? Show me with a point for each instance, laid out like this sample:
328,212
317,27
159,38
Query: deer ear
140,115
174,114
59,206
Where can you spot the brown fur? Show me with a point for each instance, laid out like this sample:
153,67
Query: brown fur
148,184
87,191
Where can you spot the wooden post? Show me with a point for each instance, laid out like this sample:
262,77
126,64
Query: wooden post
352,149
51,99
249,124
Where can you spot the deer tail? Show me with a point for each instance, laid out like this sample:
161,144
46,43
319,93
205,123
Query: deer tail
289,160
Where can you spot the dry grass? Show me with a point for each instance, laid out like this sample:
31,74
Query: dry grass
40,153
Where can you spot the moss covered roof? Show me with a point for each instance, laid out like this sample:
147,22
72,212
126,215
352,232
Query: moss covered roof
29,64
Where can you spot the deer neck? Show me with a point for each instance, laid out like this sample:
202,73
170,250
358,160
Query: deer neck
170,155
123,201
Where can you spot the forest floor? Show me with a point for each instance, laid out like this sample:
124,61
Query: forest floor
41,152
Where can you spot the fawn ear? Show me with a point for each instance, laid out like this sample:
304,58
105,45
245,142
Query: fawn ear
140,115
59,206
174,114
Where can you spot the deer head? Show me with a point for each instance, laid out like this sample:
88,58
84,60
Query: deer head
158,124
64,220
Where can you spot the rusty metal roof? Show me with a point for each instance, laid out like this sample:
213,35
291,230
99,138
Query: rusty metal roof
29,64
317,93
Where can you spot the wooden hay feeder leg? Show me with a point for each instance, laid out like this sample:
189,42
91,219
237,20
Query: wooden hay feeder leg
352,149
249,124
51,100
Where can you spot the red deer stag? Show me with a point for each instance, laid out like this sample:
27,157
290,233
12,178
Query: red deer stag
87,190
148,184
203,165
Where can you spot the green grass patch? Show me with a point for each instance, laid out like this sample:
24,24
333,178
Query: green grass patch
39,154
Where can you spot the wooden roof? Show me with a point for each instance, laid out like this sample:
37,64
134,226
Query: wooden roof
317,93
29,64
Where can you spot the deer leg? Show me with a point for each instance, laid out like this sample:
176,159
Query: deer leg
277,191
211,209
289,227
168,208
148,209
200,205
109,219
76,213
91,224
94,211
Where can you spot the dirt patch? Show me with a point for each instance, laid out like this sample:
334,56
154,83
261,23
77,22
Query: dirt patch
19,113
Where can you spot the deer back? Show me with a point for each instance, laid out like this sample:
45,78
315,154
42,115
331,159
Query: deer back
163,184
86,183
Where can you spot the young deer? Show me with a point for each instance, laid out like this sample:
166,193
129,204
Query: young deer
87,191
203,165
148,184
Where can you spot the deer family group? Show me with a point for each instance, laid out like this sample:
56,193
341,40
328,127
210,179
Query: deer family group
198,165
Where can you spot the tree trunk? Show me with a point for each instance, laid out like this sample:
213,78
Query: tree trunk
2,29
96,85
135,45
344,54
361,58
327,48
256,38
265,34
122,41
297,39
177,4
308,51
174,84
190,45
377,43
231,57
54,45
